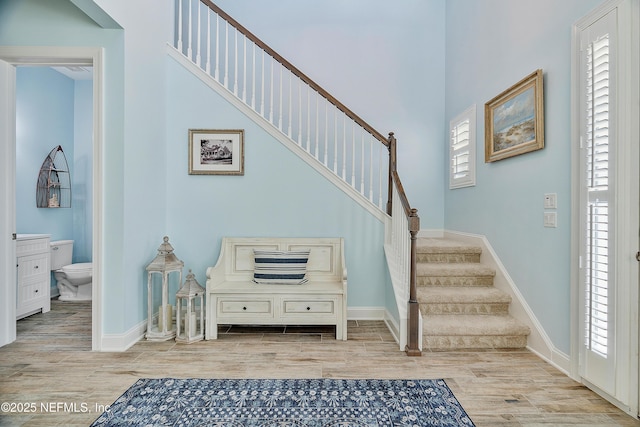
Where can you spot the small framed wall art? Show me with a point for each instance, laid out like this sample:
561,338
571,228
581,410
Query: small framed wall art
216,152
514,120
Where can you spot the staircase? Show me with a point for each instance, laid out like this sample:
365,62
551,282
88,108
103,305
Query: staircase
460,306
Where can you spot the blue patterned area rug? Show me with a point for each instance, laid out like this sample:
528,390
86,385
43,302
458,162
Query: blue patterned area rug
291,402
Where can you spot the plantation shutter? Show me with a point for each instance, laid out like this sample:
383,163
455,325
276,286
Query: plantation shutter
462,150
598,143
597,176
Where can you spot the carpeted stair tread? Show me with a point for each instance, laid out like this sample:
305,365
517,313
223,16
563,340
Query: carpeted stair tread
466,295
439,251
473,342
463,300
454,269
472,325
433,245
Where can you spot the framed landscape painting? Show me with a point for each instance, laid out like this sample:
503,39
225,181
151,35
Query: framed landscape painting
216,152
514,120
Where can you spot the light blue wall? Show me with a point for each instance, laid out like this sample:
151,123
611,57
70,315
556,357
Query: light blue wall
385,61
44,120
141,209
279,195
491,45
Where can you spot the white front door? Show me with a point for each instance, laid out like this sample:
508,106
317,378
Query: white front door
599,139
609,200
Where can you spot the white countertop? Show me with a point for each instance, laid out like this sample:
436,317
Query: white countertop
32,236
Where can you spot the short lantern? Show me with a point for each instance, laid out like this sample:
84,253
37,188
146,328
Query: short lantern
161,328
190,311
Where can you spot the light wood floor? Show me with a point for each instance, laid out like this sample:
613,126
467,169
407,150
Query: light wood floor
51,365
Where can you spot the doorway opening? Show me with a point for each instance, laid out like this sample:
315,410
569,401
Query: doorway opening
54,114
72,58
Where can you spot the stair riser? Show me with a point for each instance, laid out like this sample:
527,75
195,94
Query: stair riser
464,308
443,343
441,258
454,280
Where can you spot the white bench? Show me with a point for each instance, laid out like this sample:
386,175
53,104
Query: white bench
234,299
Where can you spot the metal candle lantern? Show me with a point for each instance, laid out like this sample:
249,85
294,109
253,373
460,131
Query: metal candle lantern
161,328
190,311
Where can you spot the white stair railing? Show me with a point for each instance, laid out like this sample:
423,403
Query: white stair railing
284,96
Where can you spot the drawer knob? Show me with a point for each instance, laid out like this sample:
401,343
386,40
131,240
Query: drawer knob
36,267
308,308
244,308
36,291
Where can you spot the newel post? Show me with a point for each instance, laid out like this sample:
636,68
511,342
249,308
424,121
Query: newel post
392,168
413,348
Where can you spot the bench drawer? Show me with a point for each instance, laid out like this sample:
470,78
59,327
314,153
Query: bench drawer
298,306
245,306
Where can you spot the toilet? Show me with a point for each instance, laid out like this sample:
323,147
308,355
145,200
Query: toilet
74,280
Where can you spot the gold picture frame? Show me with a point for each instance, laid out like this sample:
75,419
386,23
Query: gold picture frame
216,152
514,120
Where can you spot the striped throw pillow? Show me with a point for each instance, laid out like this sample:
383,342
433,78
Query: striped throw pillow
280,267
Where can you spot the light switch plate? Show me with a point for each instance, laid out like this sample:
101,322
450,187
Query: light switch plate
550,201
550,219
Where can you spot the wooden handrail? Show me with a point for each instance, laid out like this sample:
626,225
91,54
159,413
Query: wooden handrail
395,178
403,197
249,35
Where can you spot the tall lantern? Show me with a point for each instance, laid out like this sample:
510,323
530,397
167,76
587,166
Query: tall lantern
190,311
161,328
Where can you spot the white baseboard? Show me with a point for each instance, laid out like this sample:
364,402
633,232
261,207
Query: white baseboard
393,327
366,313
376,313
558,360
122,342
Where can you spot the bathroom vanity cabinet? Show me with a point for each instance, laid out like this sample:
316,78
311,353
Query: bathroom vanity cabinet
33,272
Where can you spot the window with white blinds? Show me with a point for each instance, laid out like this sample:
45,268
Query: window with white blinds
597,280
462,142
